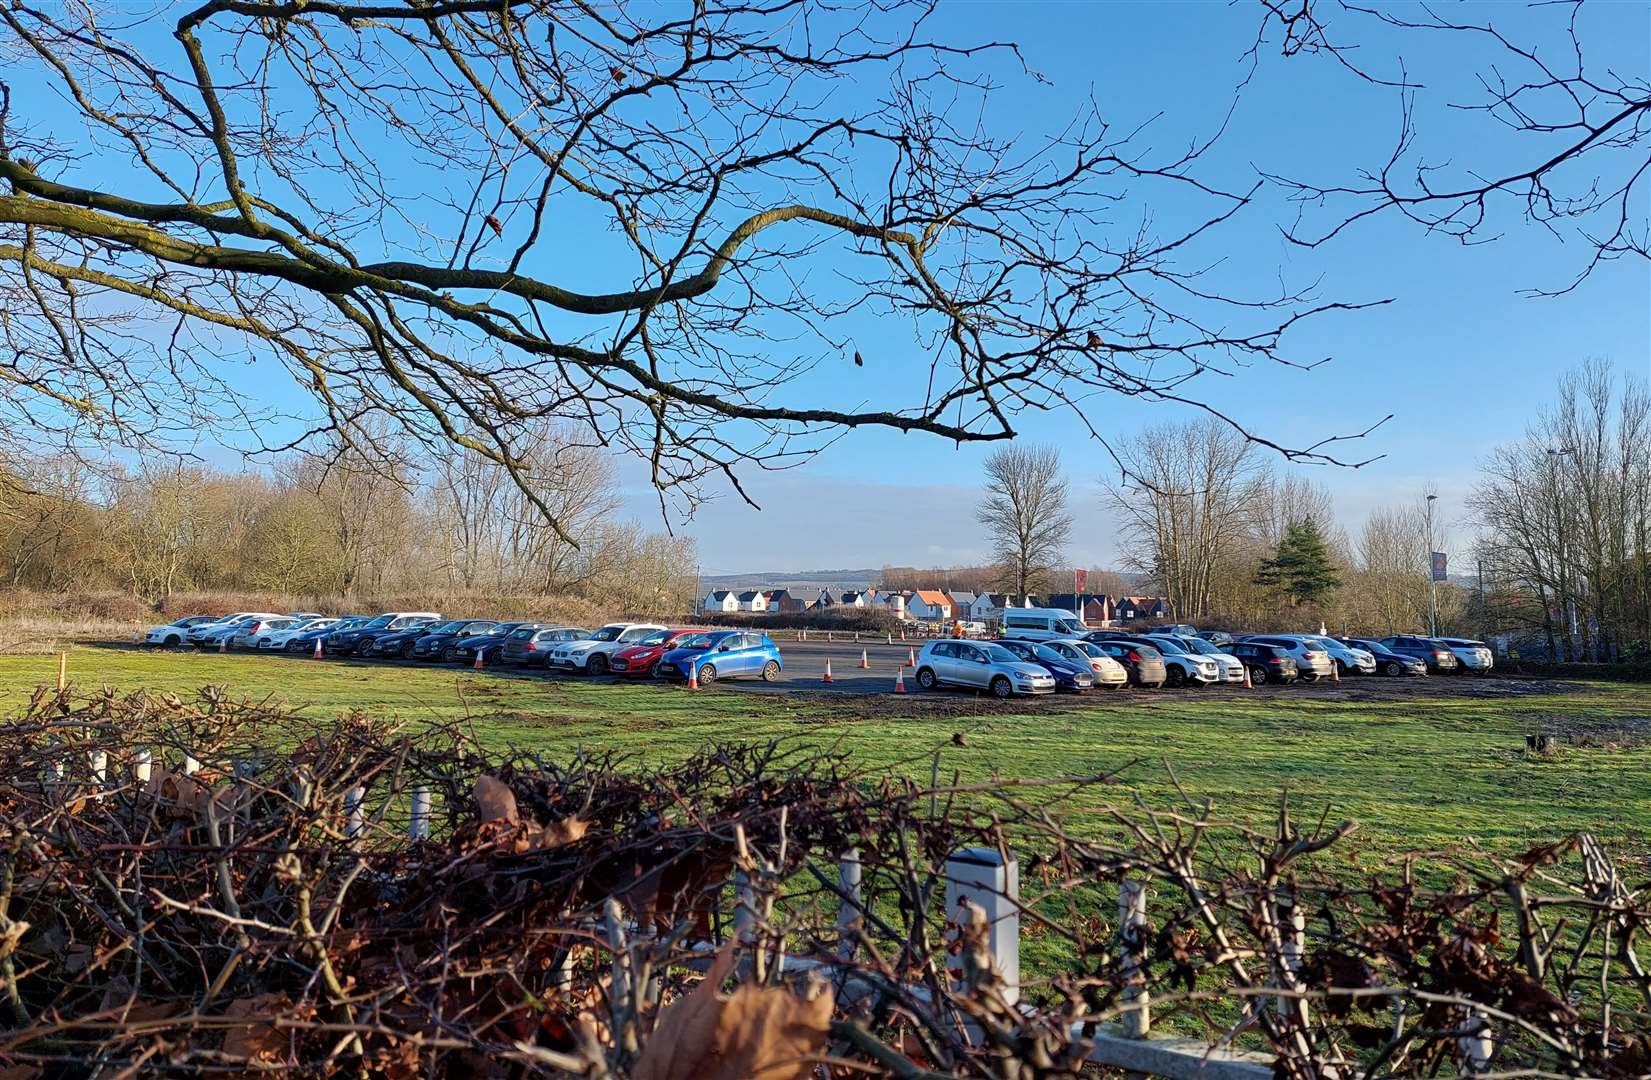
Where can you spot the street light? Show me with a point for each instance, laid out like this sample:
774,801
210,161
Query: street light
1432,595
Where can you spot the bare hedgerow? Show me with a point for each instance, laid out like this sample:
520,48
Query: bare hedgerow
257,914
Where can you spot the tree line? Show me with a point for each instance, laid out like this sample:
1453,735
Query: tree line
340,523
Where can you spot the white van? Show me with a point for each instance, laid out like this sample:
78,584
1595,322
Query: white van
1041,624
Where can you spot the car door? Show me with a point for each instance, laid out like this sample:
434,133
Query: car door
973,668
942,659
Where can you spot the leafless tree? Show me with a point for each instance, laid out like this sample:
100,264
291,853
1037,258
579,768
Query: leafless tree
467,218
1025,514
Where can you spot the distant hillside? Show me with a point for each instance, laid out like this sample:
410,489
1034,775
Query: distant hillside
801,579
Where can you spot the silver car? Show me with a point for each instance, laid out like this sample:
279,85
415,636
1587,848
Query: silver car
1473,656
1349,658
1312,661
1232,668
980,665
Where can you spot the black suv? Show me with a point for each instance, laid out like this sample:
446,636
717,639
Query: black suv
1266,663
1430,652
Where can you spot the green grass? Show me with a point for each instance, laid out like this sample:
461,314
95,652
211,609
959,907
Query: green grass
1422,770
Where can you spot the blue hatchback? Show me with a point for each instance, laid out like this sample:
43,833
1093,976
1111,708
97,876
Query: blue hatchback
722,654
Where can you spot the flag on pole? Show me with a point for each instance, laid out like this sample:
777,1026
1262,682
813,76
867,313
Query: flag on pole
1080,580
1438,566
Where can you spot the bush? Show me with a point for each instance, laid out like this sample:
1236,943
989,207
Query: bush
875,620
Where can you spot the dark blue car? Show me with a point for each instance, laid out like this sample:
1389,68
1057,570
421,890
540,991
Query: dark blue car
305,642
464,650
1068,676
721,654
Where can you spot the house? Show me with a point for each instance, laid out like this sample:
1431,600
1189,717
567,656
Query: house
753,601
988,607
1138,608
893,602
719,600
963,602
823,601
859,598
931,605
1095,609
783,600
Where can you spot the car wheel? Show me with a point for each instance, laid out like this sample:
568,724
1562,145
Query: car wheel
596,665
708,673
407,651
770,671
925,678
1001,687
1394,668
450,655
172,641
1175,676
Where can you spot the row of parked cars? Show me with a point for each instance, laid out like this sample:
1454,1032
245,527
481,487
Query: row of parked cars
1042,651
623,648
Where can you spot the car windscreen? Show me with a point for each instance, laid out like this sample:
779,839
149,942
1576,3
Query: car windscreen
382,620
452,626
658,637
1071,626
1199,646
607,633
522,634
1147,652
1165,645
694,641
479,626
998,654
1048,655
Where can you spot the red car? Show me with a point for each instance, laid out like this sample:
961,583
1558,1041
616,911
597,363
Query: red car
638,660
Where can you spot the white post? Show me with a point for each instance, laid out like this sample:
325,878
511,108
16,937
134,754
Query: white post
100,766
142,763
1132,922
1476,1045
981,875
1292,929
355,818
191,765
850,902
418,826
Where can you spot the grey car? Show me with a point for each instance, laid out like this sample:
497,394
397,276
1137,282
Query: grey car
980,665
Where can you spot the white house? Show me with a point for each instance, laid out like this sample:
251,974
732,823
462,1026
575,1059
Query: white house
859,598
931,605
823,601
963,603
753,601
988,607
719,600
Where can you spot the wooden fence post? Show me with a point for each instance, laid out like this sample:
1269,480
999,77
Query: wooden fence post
418,823
982,875
850,902
1132,924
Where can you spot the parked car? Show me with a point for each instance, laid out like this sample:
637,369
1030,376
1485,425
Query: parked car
207,633
433,644
1348,659
1437,658
1312,661
360,638
1267,663
1232,668
1107,671
399,641
1175,630
591,655
638,660
981,665
1039,624
304,641
465,650
175,632
1219,638
533,648
1182,666
1389,662
721,654
1070,674
1474,657
276,640
1144,663
247,634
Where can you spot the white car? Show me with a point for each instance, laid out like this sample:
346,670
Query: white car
246,636
209,633
1182,665
1107,671
176,632
980,665
1232,666
1312,661
591,654
1349,659
1471,656
276,640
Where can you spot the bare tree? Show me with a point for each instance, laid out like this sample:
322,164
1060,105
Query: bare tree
1024,511
471,217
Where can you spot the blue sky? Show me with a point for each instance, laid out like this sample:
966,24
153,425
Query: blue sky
1460,358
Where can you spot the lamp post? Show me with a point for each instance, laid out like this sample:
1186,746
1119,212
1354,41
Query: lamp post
1432,594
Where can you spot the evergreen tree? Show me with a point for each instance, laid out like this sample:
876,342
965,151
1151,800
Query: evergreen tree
1302,567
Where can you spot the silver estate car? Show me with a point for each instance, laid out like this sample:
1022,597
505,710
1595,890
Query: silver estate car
980,665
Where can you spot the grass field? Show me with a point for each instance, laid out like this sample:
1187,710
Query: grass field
1419,765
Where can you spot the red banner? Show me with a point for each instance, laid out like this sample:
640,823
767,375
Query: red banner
1080,579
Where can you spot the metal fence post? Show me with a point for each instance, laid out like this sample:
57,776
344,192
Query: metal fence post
983,875
1132,925
850,902
418,823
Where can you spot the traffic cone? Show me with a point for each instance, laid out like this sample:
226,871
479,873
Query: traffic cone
693,675
223,644
900,681
479,664
891,639
864,663
1335,672
828,671
1248,685
318,648
912,661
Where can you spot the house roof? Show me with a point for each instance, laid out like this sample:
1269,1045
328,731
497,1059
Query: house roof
933,597
962,596
1070,601
719,594
747,597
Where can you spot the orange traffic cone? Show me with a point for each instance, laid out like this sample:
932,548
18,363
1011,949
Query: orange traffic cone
693,675
480,662
1248,685
864,662
900,681
828,671
913,660
1335,671
223,643
318,648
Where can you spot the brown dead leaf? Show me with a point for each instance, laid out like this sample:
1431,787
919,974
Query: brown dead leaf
495,801
554,835
756,1033
19,1072
261,1042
